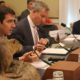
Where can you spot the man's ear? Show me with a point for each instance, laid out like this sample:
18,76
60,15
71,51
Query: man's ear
0,23
1,26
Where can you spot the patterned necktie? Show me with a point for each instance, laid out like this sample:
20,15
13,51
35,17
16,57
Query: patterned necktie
36,37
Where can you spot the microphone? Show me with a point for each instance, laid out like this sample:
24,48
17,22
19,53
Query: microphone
64,25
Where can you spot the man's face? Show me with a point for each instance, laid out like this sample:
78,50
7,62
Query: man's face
40,17
30,4
8,24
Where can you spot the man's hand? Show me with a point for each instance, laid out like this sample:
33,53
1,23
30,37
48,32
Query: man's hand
29,57
39,47
43,41
41,44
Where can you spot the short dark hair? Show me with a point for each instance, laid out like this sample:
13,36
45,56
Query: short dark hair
28,1
5,10
2,2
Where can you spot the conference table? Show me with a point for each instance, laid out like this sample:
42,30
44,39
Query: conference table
69,44
70,66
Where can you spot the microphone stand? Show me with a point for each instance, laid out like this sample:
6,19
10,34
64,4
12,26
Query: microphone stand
73,34
65,47
41,59
64,25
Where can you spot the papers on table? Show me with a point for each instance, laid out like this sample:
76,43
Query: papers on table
54,34
55,51
71,38
40,64
78,37
72,41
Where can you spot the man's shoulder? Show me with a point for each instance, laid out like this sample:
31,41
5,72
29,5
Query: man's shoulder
25,11
22,22
24,14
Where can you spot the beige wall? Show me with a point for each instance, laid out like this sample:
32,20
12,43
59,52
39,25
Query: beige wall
20,5
17,5
54,7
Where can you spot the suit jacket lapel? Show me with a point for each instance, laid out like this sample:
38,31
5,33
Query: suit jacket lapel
28,32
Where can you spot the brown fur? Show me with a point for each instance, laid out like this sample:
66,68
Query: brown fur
12,69
7,49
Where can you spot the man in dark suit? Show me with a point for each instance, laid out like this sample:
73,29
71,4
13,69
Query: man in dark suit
76,27
25,29
26,12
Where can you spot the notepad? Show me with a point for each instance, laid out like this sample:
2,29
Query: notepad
40,64
55,51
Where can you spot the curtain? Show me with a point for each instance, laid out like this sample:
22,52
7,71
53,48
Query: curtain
69,11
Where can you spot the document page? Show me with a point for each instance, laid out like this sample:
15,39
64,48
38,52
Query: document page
54,51
40,64
54,34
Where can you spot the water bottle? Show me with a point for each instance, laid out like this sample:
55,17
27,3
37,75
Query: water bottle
58,75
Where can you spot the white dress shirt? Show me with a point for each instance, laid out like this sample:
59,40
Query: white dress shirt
33,28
